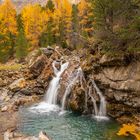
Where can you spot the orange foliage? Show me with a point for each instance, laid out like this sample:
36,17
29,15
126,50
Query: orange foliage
129,129
34,19
8,22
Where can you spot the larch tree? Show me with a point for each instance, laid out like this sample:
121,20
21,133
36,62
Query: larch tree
64,10
34,19
86,16
47,37
8,29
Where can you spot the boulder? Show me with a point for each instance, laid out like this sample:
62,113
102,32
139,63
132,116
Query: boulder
18,84
38,65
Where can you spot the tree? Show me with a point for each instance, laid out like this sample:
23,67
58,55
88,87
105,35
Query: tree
86,17
34,19
113,22
64,11
48,36
8,29
21,42
50,5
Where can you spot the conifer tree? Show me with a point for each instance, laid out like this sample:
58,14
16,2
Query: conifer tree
21,42
48,36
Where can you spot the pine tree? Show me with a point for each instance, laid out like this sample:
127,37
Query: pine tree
50,5
47,37
75,27
21,42
113,22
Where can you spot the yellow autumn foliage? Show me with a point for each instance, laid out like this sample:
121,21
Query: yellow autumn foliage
8,22
34,19
129,129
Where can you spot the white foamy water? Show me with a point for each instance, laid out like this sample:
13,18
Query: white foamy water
99,112
44,107
52,92
50,103
102,108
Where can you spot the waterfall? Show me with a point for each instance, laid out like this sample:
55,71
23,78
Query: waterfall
102,108
51,95
93,100
99,113
76,76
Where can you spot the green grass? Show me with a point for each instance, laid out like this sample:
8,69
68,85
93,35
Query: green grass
10,67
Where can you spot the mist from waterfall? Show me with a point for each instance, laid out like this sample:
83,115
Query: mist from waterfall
52,92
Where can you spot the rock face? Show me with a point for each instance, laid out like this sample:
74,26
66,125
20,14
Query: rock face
120,83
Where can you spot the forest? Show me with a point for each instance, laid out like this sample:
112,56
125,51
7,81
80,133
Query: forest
114,25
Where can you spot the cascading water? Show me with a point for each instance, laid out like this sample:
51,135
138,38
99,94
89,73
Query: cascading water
101,112
76,76
52,92
93,100
102,108
50,103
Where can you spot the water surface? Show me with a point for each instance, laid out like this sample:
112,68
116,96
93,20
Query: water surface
67,126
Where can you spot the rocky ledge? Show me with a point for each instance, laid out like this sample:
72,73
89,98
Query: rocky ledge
119,80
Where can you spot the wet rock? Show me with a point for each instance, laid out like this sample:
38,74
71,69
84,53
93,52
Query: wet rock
18,84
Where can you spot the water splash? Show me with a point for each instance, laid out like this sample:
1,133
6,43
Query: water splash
52,92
